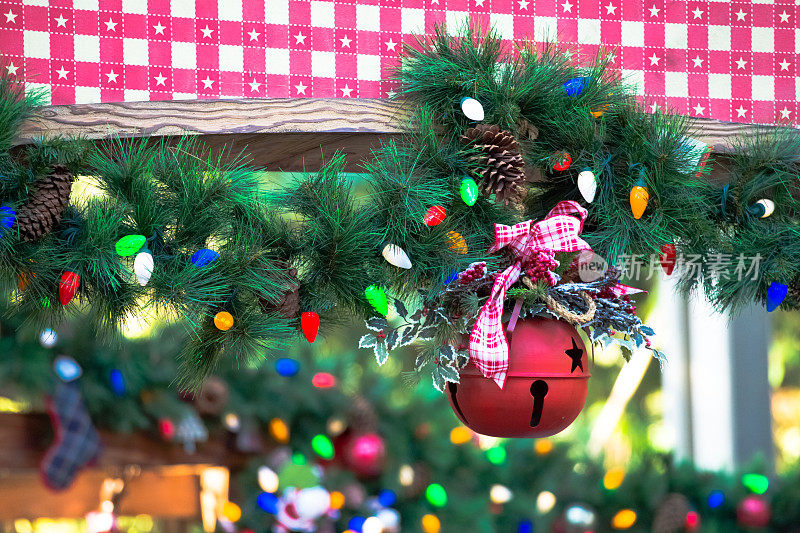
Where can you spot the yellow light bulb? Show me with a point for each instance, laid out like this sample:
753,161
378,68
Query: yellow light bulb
639,198
279,430
460,435
623,519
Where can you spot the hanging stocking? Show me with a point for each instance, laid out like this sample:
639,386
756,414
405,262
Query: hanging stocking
77,441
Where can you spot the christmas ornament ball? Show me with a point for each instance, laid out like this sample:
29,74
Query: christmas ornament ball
545,389
223,320
364,453
753,511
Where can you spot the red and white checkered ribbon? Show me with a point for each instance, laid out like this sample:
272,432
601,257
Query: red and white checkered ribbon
559,232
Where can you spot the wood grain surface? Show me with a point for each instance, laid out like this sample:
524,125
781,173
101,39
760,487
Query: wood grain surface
279,133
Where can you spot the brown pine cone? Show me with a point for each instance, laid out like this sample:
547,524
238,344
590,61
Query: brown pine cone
43,210
289,303
501,166
671,514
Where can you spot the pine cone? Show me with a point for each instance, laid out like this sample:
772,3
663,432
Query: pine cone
289,304
43,210
362,416
503,166
671,514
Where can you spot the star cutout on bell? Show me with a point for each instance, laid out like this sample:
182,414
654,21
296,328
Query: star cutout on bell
575,354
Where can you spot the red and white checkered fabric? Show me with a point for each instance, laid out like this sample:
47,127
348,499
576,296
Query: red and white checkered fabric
559,232
725,60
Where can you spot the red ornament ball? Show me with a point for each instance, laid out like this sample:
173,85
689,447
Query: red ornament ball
548,377
364,454
563,161
753,511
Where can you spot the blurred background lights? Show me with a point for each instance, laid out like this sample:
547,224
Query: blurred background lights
545,501
460,435
406,475
372,524
267,479
756,483
500,494
624,519
716,498
613,478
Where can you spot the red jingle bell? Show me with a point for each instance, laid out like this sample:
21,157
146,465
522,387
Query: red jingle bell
364,453
545,389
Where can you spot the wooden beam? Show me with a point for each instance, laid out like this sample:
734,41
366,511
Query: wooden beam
278,133
26,437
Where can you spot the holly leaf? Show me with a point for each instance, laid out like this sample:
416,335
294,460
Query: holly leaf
638,339
646,330
446,353
400,307
376,324
381,353
438,380
368,341
626,352
448,373
406,335
426,333
416,316
392,340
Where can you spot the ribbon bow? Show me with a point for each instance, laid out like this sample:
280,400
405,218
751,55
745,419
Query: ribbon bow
559,232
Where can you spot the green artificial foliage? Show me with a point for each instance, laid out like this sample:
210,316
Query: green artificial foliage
415,426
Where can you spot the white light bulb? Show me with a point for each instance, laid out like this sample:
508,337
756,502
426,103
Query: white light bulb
587,184
143,267
48,338
472,109
396,256
267,479
500,494
545,501
769,207
372,524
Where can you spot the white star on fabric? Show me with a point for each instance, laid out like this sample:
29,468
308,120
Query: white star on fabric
160,79
479,3
159,28
740,14
301,89
391,94
112,76
654,108
654,11
785,112
390,44
611,9
434,1
301,39
253,35
697,61
784,64
208,82
62,73
11,16
740,63
784,16
207,32
12,69
61,22
346,41
654,59
254,85
110,25
698,109
567,6
523,4
741,111
346,90
698,13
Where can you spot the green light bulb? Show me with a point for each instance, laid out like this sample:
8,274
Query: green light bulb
130,244
376,297
469,191
496,455
757,483
436,495
322,446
